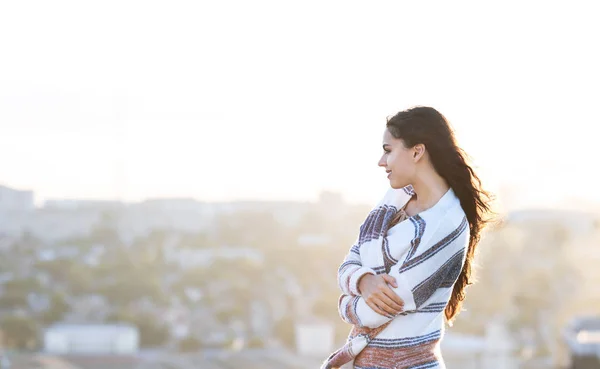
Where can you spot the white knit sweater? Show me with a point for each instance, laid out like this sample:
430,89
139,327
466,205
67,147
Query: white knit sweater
425,253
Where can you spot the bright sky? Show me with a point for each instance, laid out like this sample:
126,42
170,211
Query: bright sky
222,100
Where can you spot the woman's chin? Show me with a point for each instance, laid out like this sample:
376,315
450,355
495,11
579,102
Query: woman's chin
397,185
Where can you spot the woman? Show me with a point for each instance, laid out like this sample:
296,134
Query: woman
407,272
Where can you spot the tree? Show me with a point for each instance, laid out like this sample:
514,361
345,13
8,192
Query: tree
19,332
152,332
56,311
16,292
189,344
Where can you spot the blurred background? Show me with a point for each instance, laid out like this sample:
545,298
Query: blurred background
179,181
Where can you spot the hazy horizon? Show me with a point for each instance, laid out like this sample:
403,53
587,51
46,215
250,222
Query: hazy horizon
134,100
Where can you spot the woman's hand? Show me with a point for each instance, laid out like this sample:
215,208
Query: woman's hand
379,296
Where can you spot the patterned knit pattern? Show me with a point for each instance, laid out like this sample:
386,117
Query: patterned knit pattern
425,254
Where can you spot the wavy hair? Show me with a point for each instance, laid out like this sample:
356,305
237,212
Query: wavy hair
427,126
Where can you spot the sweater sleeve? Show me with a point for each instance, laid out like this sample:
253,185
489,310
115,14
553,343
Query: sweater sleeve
351,270
354,310
426,269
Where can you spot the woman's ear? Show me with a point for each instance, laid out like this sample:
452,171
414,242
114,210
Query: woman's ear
418,152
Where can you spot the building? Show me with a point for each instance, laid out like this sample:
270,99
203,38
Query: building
77,204
53,225
16,200
16,207
97,339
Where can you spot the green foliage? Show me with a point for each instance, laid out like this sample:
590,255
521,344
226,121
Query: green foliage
152,332
56,311
255,342
189,344
19,332
16,291
58,269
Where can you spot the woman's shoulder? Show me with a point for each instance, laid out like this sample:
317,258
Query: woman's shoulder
454,215
449,217
456,224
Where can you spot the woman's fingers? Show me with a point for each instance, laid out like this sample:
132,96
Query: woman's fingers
388,291
384,303
394,297
389,279
382,299
377,309
393,305
389,297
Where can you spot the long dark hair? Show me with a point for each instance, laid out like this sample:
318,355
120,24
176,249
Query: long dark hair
427,126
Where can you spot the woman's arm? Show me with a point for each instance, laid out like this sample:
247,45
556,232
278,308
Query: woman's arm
351,270
431,267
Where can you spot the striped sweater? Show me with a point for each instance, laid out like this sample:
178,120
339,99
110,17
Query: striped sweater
425,253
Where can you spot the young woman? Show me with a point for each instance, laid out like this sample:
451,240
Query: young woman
406,274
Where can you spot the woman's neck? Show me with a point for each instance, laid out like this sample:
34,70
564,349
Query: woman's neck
429,188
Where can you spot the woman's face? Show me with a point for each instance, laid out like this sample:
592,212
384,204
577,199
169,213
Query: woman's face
398,161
